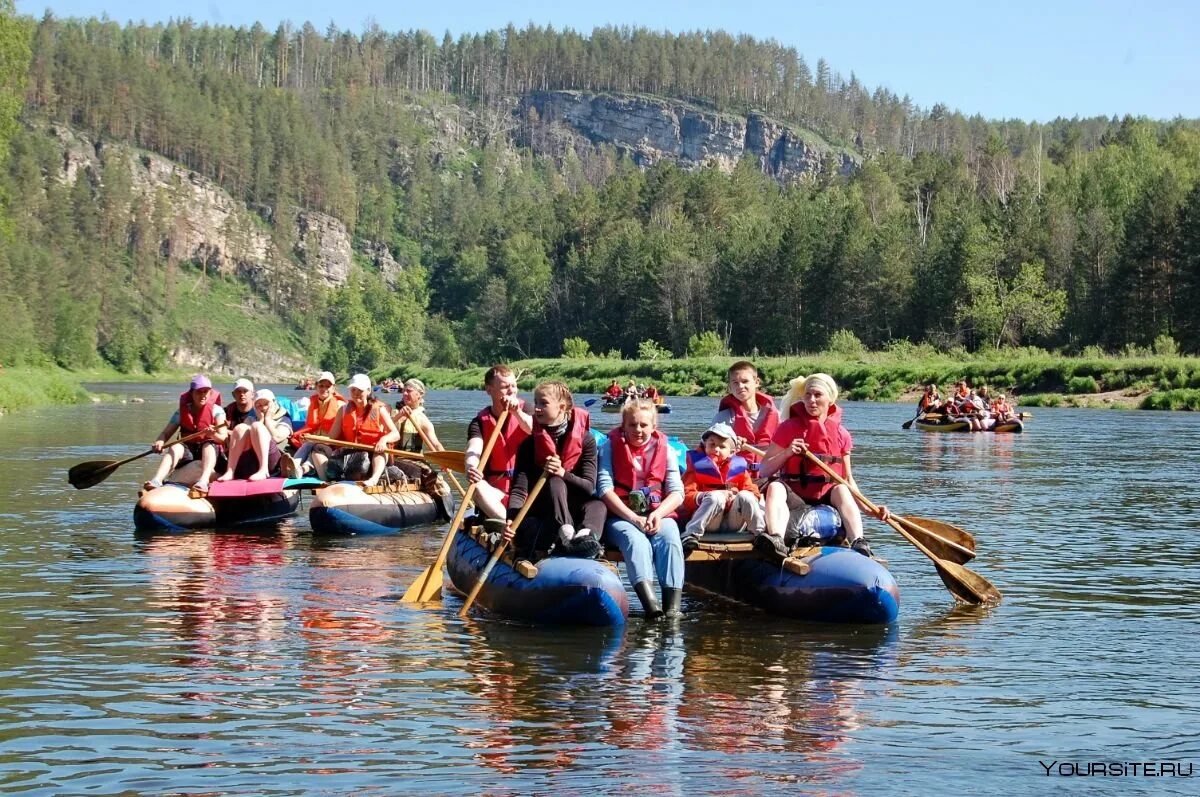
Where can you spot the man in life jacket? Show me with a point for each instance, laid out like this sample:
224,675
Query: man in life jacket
199,411
750,412
494,481
613,391
323,408
719,492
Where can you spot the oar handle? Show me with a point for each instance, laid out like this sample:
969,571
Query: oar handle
435,569
333,441
187,439
491,563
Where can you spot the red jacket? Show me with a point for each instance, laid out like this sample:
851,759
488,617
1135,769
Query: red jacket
768,422
501,465
191,422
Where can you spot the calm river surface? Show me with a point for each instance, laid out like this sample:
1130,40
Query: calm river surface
273,663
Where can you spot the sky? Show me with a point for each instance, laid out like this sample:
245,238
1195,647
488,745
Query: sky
1002,60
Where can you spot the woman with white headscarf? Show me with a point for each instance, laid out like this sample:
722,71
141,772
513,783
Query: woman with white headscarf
812,422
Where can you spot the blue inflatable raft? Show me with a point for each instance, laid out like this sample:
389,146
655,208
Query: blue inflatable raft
565,591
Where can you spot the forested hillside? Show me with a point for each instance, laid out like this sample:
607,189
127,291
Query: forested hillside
516,233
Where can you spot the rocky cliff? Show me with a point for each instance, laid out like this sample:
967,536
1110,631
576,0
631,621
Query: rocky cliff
650,130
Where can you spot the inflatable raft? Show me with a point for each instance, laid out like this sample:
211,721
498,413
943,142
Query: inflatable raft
828,584
1013,426
564,591
228,504
345,508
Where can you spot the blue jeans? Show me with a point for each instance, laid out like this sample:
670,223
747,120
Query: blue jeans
659,553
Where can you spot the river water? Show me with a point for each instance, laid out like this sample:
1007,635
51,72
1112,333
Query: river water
274,663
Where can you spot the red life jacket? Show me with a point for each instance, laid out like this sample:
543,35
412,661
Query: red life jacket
544,445
358,429
498,470
191,422
768,420
824,440
622,467
709,476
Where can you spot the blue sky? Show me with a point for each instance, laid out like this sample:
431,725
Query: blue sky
1017,59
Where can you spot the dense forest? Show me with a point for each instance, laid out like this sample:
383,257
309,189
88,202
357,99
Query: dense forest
956,231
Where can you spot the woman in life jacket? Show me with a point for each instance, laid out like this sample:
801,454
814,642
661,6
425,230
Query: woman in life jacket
813,423
566,518
323,407
641,488
364,419
254,451
199,410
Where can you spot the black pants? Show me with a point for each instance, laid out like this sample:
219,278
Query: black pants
555,506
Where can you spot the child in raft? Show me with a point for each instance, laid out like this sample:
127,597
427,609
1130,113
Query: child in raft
812,427
719,491
566,517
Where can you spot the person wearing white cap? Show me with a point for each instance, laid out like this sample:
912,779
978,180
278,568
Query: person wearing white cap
813,424
241,409
364,419
199,410
719,489
323,408
254,451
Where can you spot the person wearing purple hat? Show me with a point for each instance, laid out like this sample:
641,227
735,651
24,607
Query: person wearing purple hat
199,411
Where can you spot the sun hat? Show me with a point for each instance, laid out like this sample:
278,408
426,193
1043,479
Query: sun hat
264,394
199,382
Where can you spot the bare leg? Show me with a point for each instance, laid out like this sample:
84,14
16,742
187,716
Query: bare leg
260,440
208,463
841,499
319,459
489,500
170,459
235,454
777,509
378,463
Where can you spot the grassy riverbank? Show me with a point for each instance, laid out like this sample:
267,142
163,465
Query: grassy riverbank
1034,377
21,388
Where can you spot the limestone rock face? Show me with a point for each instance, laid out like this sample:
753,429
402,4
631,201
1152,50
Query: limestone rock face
650,130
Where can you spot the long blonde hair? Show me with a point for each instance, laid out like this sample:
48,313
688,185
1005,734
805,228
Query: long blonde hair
798,386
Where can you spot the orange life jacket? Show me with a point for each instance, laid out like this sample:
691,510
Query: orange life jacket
500,467
190,421
622,466
545,446
768,422
363,429
320,417
825,441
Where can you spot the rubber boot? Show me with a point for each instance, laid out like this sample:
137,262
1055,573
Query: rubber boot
645,593
671,599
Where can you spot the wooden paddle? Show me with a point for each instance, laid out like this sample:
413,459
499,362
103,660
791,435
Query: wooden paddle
89,474
947,541
965,585
908,424
428,584
430,446
443,459
491,563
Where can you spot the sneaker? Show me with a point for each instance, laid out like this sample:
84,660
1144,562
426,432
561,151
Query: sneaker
770,545
584,547
861,546
566,533
288,467
690,543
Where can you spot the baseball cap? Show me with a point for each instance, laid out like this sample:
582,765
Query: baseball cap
325,376
362,382
720,430
264,394
243,383
199,382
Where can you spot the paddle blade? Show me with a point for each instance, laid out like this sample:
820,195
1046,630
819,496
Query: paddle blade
907,424
452,460
947,531
939,547
426,588
966,585
89,474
